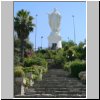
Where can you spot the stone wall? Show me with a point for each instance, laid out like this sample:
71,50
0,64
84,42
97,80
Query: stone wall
19,86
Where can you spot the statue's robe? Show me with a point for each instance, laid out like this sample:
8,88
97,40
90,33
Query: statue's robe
54,21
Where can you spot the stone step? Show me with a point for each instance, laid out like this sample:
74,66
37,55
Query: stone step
57,70
54,92
52,96
70,95
67,77
51,74
56,73
58,83
59,75
57,89
56,80
36,96
58,86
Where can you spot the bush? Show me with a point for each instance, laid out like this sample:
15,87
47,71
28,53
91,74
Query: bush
16,60
40,55
66,48
36,70
39,61
59,59
49,54
28,62
70,53
18,72
67,66
43,51
76,67
45,69
27,84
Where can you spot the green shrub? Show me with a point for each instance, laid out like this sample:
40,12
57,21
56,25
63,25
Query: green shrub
27,82
45,69
36,70
39,61
28,62
49,54
27,69
39,77
76,67
59,59
34,77
70,52
32,69
67,66
42,51
16,59
40,55
18,72
66,48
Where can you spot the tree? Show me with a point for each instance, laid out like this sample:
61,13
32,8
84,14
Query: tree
70,54
81,51
68,44
64,44
23,26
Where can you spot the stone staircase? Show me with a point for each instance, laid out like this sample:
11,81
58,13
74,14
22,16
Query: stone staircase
57,84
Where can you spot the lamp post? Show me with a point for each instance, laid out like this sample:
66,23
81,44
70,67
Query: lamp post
74,28
36,31
41,41
68,39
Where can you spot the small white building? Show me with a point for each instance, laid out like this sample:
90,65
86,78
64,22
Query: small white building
54,39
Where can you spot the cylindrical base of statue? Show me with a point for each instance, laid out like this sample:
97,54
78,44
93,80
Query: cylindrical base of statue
54,41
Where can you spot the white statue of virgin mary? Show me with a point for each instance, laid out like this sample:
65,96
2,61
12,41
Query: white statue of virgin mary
54,21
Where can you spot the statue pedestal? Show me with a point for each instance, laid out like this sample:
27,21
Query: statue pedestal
54,40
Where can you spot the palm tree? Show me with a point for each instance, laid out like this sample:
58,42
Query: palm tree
23,26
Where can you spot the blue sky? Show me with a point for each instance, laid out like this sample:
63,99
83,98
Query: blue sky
66,9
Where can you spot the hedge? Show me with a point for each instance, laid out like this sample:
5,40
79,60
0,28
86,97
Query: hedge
77,66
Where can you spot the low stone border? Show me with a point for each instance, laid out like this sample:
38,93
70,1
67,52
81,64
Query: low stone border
82,76
19,86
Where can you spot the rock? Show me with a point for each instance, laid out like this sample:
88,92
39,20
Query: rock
82,76
31,82
29,75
